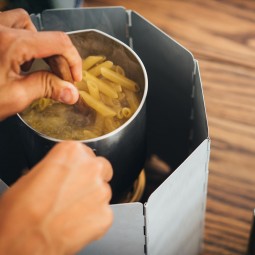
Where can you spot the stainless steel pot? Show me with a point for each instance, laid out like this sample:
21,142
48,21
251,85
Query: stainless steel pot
125,147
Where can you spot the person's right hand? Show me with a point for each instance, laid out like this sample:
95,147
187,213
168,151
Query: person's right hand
20,43
58,207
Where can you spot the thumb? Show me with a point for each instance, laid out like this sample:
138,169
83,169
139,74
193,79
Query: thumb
22,92
45,84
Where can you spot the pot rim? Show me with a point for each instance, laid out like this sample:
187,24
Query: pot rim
112,133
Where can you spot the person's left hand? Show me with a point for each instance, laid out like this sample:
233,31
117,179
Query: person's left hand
20,43
58,207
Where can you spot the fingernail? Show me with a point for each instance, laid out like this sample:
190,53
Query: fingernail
69,94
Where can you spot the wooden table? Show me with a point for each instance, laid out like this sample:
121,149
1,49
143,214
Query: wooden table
221,35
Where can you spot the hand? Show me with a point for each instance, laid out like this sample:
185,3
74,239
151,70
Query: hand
20,44
59,206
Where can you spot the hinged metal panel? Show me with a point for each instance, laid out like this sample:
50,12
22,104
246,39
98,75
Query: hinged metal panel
170,74
175,211
125,237
36,19
111,20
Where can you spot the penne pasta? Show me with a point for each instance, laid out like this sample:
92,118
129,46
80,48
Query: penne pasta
102,86
120,115
90,61
120,70
132,100
118,78
97,105
117,87
96,71
93,90
126,112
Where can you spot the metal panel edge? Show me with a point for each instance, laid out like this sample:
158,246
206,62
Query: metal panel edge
201,123
36,19
3,187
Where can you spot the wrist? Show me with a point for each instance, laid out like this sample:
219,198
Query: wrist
31,241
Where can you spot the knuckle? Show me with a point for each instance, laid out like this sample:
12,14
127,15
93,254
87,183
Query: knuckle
105,166
22,14
104,191
46,80
64,39
103,162
68,148
6,36
99,162
88,150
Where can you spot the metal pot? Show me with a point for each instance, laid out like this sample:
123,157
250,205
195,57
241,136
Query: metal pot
124,147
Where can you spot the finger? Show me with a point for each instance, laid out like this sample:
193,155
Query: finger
88,151
82,151
106,168
19,94
17,18
45,84
107,192
60,67
36,45
71,149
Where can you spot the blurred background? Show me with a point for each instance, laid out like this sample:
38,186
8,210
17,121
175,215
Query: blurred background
38,6
221,36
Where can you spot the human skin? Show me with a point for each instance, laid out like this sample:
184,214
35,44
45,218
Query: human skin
62,204
20,44
58,207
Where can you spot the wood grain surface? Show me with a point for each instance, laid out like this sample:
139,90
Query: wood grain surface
221,35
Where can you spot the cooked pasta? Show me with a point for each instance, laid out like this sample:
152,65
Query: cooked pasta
97,105
96,71
90,61
118,78
102,86
93,90
111,99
